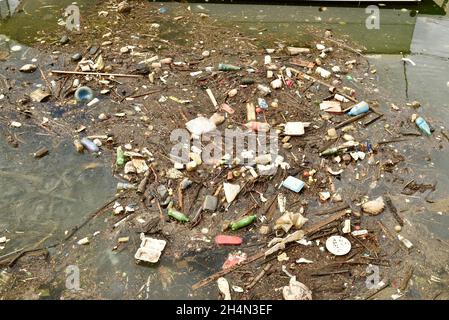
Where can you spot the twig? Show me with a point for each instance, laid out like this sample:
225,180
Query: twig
118,75
394,211
367,123
351,120
407,277
145,94
320,274
259,276
387,284
331,210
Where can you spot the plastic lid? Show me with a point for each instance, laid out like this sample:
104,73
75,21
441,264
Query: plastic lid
338,245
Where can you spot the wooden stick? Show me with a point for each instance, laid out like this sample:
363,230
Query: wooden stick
97,74
259,276
331,210
373,120
317,226
320,274
144,94
351,120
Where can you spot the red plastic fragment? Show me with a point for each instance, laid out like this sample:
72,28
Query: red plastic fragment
228,240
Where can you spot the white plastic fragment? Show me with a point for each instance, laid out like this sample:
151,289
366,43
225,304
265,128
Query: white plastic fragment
212,98
294,128
237,289
347,226
323,72
294,50
357,233
231,191
296,291
83,241
374,207
303,261
276,84
290,219
200,125
409,61
405,241
340,98
223,286
16,124
150,249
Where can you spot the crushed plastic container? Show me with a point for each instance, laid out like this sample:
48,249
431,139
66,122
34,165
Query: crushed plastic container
150,249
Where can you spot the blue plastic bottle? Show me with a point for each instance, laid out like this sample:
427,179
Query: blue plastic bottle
359,108
423,126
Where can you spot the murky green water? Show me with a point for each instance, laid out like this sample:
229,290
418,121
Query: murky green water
43,198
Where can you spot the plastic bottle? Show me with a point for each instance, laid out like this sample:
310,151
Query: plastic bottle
84,94
323,72
181,217
89,145
125,186
365,147
243,222
423,126
359,108
120,157
329,152
227,67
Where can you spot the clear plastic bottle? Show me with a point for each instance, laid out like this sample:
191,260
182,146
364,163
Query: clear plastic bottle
423,126
359,108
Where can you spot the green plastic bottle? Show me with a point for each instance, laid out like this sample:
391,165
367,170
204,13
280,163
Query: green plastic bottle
181,217
329,152
120,157
246,221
